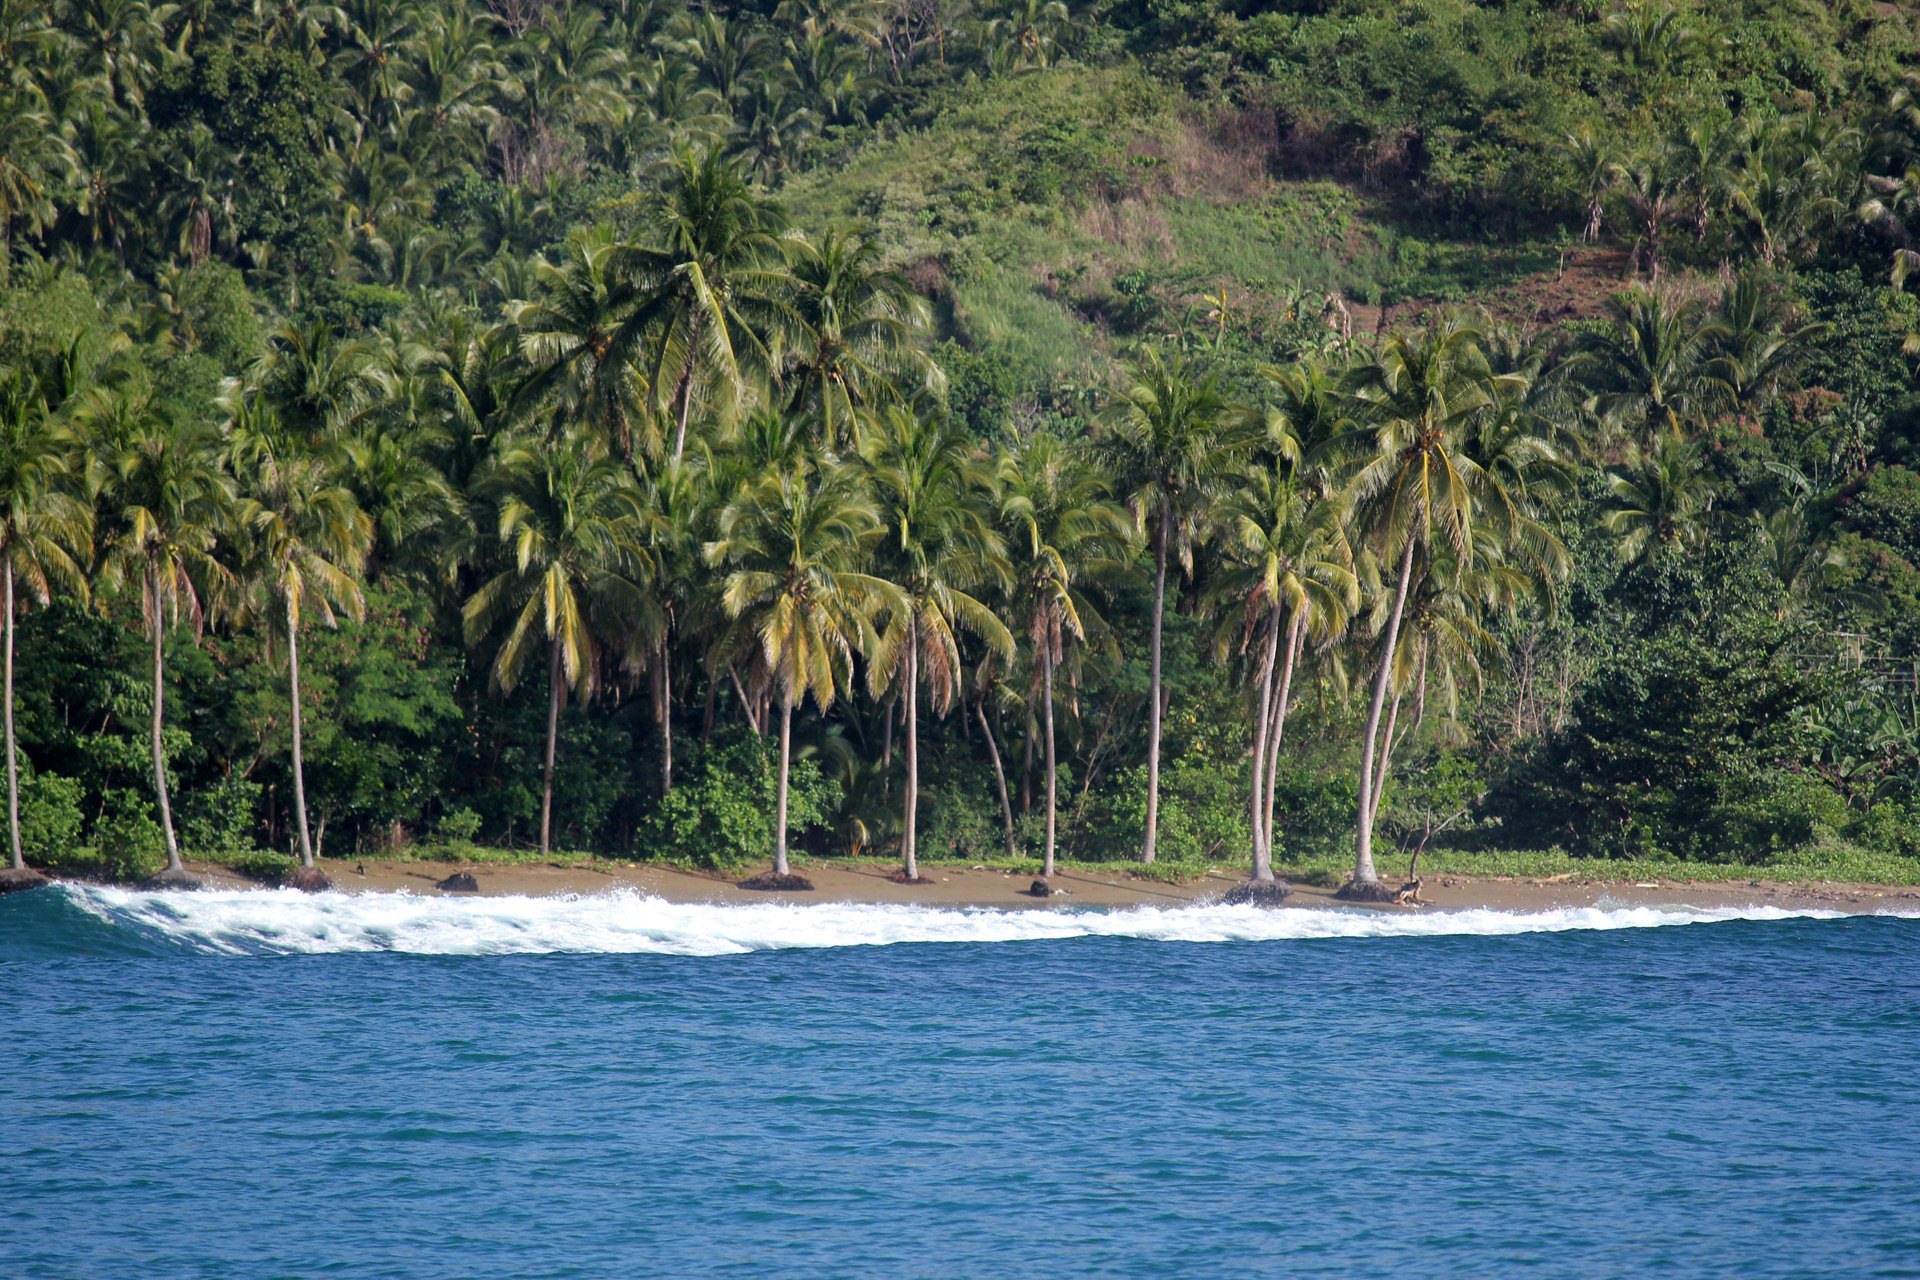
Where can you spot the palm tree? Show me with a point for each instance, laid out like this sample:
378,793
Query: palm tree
1290,573
1652,183
1663,506
566,525
308,537
1414,486
709,289
1655,369
171,502
794,542
1170,445
1065,530
45,531
569,333
854,323
932,499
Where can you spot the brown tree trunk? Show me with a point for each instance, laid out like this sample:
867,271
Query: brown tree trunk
554,693
299,770
1153,724
159,727
1363,839
13,765
780,804
1026,763
999,774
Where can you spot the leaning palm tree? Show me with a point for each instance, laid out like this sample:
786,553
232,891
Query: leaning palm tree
940,546
1171,444
795,542
566,526
1414,485
309,539
170,502
1066,530
45,531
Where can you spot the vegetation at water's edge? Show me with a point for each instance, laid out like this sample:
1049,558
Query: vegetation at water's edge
1529,388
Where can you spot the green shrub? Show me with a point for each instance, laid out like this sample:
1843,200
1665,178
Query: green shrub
219,820
50,817
720,812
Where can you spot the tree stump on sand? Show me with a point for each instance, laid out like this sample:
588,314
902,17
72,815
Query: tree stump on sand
174,881
12,881
459,882
1367,891
1039,889
768,880
1258,893
901,877
309,880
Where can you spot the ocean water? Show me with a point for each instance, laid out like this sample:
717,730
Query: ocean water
260,1085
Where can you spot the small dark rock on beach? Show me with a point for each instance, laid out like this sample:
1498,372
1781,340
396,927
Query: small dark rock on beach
770,880
1367,891
176,881
309,880
901,877
1040,889
459,882
1258,893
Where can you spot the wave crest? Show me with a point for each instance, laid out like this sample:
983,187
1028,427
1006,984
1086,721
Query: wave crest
76,918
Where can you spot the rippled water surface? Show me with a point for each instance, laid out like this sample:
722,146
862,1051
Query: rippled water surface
263,1085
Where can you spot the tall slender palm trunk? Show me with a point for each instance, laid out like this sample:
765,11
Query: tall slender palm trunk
299,769
159,726
999,773
1387,743
1053,770
1256,805
13,766
663,707
1363,840
1282,697
780,804
554,694
907,851
1153,712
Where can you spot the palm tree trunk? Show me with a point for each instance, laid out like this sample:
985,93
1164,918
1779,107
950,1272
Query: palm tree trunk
1386,759
1296,640
1153,721
159,723
554,690
999,774
1363,871
13,766
780,804
1256,808
663,686
683,397
1053,771
1026,764
913,753
299,769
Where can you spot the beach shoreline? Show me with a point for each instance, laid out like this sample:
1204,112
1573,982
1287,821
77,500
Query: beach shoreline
976,887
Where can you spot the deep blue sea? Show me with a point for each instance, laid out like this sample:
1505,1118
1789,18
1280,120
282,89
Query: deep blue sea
265,1085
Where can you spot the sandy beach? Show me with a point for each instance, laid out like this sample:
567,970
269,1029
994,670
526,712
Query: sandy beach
985,887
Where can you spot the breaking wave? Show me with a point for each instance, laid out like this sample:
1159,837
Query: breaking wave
76,919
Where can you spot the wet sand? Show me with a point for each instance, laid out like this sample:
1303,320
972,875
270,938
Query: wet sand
984,887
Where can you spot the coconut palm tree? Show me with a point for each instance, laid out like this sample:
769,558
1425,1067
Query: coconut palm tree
940,546
170,503
1289,573
1065,530
1171,443
1663,504
1414,486
854,324
1654,369
709,289
45,531
569,334
566,521
795,543
308,540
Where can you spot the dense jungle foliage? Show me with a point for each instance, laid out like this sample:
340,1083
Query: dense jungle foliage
1161,428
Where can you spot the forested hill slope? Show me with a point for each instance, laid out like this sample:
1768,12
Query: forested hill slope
482,355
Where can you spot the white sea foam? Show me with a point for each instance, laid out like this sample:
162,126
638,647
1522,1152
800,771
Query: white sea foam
288,922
